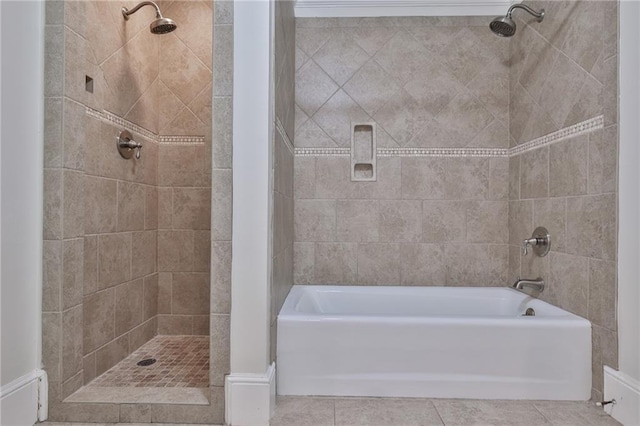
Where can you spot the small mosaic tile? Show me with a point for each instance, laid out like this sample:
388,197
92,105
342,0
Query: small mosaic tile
181,361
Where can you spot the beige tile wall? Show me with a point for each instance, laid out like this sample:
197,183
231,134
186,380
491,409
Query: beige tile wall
222,173
425,82
102,248
419,224
448,82
282,241
563,71
183,94
100,282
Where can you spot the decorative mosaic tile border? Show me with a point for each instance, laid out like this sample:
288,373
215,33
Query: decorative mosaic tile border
442,152
181,140
323,152
111,118
560,135
285,137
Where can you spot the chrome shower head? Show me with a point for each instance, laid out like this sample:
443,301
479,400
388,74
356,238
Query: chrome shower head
160,25
505,26
163,26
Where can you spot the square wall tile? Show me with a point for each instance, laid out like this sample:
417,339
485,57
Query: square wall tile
220,277
190,293
534,174
72,272
99,319
114,259
131,199
220,349
175,324
175,250
568,162
111,354
101,203
400,221
144,252
568,285
592,218
422,264
53,204
467,178
379,264
192,208
90,264
602,293
51,276
336,263
315,220
129,303
71,342
356,220
73,205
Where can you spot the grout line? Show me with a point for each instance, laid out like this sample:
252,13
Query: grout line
538,410
435,407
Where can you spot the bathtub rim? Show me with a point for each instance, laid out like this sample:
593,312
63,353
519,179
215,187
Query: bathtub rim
288,313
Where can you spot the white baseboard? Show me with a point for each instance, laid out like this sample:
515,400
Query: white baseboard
250,399
24,400
626,391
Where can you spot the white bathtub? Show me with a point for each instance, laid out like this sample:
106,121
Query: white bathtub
435,342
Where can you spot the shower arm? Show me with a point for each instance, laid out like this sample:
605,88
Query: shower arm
539,15
126,12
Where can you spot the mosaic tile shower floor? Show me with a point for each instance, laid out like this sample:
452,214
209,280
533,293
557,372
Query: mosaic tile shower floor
181,361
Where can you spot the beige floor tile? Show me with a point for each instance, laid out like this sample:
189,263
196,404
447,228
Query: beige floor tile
386,412
303,411
488,413
568,413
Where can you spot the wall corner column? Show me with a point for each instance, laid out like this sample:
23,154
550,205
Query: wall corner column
250,388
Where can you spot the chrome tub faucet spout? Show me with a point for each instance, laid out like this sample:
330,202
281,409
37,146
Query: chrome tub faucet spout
537,284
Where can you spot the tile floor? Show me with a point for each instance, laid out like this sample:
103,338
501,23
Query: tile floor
310,411
182,361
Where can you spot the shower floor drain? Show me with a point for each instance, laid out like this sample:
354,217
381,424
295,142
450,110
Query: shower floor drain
146,362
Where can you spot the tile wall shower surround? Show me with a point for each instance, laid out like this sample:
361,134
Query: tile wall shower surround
583,127
564,71
182,361
102,228
283,48
427,82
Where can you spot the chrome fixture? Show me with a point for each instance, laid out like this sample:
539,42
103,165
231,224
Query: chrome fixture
127,146
540,242
161,25
536,285
504,26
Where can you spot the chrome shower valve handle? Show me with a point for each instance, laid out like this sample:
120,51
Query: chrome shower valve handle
127,146
526,243
540,242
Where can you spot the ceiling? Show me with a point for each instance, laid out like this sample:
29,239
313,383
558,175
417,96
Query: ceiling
370,8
